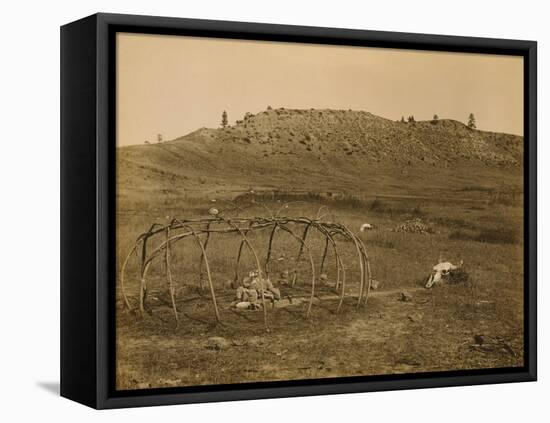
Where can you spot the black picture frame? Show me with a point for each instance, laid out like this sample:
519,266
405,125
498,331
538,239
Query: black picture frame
88,218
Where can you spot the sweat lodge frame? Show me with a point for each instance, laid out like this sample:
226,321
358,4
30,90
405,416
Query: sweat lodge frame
195,228
88,218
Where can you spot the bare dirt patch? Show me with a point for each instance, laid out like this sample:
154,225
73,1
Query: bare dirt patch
434,331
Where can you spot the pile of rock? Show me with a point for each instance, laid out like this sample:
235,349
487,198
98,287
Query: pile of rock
249,292
414,226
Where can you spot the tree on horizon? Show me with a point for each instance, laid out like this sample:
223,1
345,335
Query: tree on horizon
471,121
224,119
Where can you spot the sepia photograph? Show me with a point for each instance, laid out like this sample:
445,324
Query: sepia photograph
299,211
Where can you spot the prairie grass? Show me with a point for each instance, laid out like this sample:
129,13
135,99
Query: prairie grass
433,332
488,235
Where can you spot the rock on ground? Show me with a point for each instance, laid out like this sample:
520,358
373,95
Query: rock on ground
217,343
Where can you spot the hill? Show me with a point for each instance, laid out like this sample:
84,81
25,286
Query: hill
320,149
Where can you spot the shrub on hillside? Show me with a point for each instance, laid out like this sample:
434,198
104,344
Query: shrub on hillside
488,236
498,236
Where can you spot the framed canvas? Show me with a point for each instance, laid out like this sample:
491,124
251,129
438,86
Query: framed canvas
258,211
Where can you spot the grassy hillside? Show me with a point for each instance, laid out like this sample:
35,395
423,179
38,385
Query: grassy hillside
320,150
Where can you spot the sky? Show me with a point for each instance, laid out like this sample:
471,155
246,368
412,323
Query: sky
173,85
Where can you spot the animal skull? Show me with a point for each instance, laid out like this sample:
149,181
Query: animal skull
440,270
366,227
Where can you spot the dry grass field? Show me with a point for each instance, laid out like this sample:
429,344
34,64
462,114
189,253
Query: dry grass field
471,203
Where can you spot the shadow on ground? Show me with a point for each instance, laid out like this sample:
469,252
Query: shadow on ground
51,387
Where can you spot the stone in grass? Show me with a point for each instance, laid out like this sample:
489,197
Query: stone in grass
405,296
143,385
255,341
217,343
480,339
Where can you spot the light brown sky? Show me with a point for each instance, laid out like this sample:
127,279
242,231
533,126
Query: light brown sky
174,85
